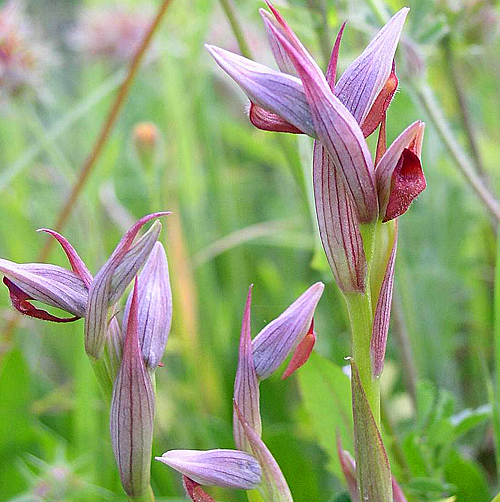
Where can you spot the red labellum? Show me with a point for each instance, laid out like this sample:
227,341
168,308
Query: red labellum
194,491
269,121
407,182
20,302
301,353
382,102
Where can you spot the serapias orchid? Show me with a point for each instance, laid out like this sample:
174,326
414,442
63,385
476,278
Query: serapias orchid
125,354
252,465
350,188
77,292
358,198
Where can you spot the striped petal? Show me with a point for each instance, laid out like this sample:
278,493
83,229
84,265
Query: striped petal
282,335
338,224
338,131
155,307
113,278
49,284
364,79
382,315
226,468
132,413
246,384
276,92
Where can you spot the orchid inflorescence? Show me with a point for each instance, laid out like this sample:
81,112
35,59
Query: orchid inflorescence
125,355
358,200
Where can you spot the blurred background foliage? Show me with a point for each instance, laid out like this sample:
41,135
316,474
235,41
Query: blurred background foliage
242,214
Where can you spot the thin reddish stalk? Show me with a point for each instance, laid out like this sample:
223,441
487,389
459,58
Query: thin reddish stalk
107,127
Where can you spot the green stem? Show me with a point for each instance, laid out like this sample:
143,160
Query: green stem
361,318
496,341
230,12
147,496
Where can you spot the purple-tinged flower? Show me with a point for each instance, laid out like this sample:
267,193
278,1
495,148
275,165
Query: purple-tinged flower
155,307
283,335
226,468
49,284
350,188
246,384
110,282
132,411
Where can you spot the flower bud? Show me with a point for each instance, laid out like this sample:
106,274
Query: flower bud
155,307
146,138
226,468
110,282
281,336
132,412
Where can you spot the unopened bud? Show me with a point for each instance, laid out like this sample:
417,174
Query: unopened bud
146,137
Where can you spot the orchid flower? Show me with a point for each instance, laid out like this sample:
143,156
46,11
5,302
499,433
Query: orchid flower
124,355
353,192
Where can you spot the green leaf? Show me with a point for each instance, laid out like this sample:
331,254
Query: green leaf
469,479
372,464
468,419
428,486
413,449
326,395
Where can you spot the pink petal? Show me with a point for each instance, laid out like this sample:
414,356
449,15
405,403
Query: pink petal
408,181
77,264
269,121
246,384
20,302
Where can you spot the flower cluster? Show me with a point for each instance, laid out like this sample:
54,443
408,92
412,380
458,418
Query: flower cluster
358,197
125,355
252,465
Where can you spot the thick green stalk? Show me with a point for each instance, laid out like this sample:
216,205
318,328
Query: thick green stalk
360,308
361,318
147,496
